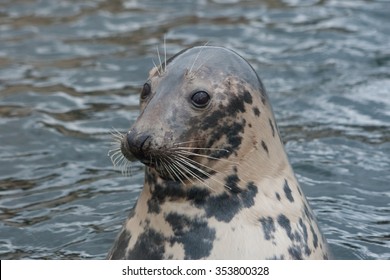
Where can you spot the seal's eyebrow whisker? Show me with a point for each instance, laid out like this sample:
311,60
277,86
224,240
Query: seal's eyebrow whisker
159,59
165,54
196,58
155,66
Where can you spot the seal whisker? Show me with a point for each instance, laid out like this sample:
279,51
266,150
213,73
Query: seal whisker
184,169
188,153
196,58
126,169
119,161
185,142
194,148
172,167
207,174
212,169
200,66
159,59
155,66
116,136
122,164
115,156
200,164
165,54
163,167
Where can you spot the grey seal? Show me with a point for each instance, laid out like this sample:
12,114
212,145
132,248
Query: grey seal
218,183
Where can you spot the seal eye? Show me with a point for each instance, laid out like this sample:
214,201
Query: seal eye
200,99
145,91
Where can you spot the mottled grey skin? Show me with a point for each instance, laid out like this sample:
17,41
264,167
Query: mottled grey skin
240,199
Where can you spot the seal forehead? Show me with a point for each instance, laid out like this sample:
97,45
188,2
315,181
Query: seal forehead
216,62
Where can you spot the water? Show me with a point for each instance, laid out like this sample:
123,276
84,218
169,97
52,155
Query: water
70,71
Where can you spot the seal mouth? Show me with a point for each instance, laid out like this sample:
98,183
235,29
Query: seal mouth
177,162
149,163
172,163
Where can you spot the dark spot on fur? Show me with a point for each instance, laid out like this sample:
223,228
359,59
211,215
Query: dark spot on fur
247,97
149,246
325,256
170,189
153,206
284,222
304,228
226,205
249,124
264,146
272,127
308,213
223,122
277,195
118,251
305,237
195,235
295,252
150,178
299,190
263,99
249,195
268,227
223,207
275,257
198,195
256,111
297,236
232,133
315,237
287,191
231,183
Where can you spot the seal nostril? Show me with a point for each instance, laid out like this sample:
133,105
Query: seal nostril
138,143
143,140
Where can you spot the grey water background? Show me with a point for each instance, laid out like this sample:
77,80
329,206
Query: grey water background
71,71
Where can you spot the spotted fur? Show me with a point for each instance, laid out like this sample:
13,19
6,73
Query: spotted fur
218,184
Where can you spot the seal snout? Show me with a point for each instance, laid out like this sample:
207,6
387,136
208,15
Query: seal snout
137,144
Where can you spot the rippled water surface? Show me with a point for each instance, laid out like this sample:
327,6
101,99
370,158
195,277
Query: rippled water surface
70,71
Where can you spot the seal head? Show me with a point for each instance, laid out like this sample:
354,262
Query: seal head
218,183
